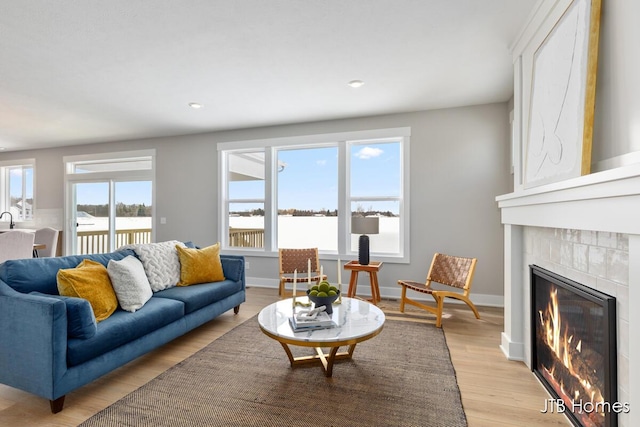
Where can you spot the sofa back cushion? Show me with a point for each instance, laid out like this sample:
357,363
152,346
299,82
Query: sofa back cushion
39,274
81,322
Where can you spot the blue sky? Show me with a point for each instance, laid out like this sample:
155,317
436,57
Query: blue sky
309,180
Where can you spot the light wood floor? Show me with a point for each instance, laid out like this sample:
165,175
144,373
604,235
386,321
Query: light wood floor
495,391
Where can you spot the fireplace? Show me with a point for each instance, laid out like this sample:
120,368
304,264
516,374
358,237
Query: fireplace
573,347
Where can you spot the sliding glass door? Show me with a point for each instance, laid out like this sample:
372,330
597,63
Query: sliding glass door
110,214
109,201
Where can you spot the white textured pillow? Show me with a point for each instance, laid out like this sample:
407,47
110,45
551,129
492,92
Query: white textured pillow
130,283
161,263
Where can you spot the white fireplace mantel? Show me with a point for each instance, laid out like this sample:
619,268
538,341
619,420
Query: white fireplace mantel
603,201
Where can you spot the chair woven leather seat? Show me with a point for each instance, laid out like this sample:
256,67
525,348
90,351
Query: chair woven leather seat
299,260
416,286
453,271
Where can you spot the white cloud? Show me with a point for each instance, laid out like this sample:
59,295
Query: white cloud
368,152
321,162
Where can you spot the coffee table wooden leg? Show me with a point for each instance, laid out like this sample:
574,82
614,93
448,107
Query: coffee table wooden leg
326,359
289,354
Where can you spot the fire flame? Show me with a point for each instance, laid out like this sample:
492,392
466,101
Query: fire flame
561,342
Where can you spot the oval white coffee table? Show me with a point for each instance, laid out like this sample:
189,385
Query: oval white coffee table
356,321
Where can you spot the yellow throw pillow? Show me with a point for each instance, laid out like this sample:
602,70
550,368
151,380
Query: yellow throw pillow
200,265
89,280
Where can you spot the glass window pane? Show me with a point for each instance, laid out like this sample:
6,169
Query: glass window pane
21,193
246,225
92,218
246,175
308,198
387,241
133,212
375,169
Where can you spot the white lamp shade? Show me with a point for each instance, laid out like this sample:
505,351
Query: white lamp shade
364,225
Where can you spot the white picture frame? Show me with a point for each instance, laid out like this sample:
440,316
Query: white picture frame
562,101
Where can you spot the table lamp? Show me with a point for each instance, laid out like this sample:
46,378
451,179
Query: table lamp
363,226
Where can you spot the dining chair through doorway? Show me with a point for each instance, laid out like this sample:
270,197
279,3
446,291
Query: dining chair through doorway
48,237
16,245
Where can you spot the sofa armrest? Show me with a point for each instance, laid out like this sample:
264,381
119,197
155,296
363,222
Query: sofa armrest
233,268
33,341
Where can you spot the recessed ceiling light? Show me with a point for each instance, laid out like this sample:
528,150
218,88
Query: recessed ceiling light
195,105
356,83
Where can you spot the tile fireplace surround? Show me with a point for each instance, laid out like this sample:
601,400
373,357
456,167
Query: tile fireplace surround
586,229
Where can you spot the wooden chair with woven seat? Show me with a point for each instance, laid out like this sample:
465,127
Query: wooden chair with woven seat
453,271
298,259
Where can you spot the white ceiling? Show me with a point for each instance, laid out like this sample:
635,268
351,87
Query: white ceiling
74,72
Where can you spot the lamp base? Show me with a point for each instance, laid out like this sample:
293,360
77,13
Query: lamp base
363,250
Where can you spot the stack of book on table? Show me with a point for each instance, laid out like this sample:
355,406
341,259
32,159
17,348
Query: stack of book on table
302,322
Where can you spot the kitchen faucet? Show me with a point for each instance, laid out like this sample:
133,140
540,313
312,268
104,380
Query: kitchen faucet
11,223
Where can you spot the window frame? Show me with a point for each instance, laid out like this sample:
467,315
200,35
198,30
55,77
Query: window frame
5,190
343,141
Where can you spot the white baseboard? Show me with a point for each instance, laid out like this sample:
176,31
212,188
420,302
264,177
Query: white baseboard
483,300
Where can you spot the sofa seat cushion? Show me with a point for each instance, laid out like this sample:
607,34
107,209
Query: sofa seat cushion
195,297
123,327
39,274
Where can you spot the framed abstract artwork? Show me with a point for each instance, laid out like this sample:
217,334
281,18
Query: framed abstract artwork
562,102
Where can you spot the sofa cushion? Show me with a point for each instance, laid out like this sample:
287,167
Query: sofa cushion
123,327
39,274
161,264
89,280
196,297
81,322
200,265
130,283
233,267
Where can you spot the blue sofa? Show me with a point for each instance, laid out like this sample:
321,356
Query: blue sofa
39,355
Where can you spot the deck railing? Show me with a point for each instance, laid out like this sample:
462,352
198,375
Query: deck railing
97,241
246,237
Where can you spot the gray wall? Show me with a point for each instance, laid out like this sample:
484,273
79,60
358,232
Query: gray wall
459,164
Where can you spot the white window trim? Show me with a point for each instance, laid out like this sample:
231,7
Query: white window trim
270,147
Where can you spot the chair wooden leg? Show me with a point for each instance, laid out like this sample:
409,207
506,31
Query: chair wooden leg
472,307
440,302
281,288
402,298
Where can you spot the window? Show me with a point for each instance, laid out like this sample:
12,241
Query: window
16,178
302,191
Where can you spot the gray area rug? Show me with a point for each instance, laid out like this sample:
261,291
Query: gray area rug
402,377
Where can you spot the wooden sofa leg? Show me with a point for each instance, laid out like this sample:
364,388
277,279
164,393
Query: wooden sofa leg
236,309
56,405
